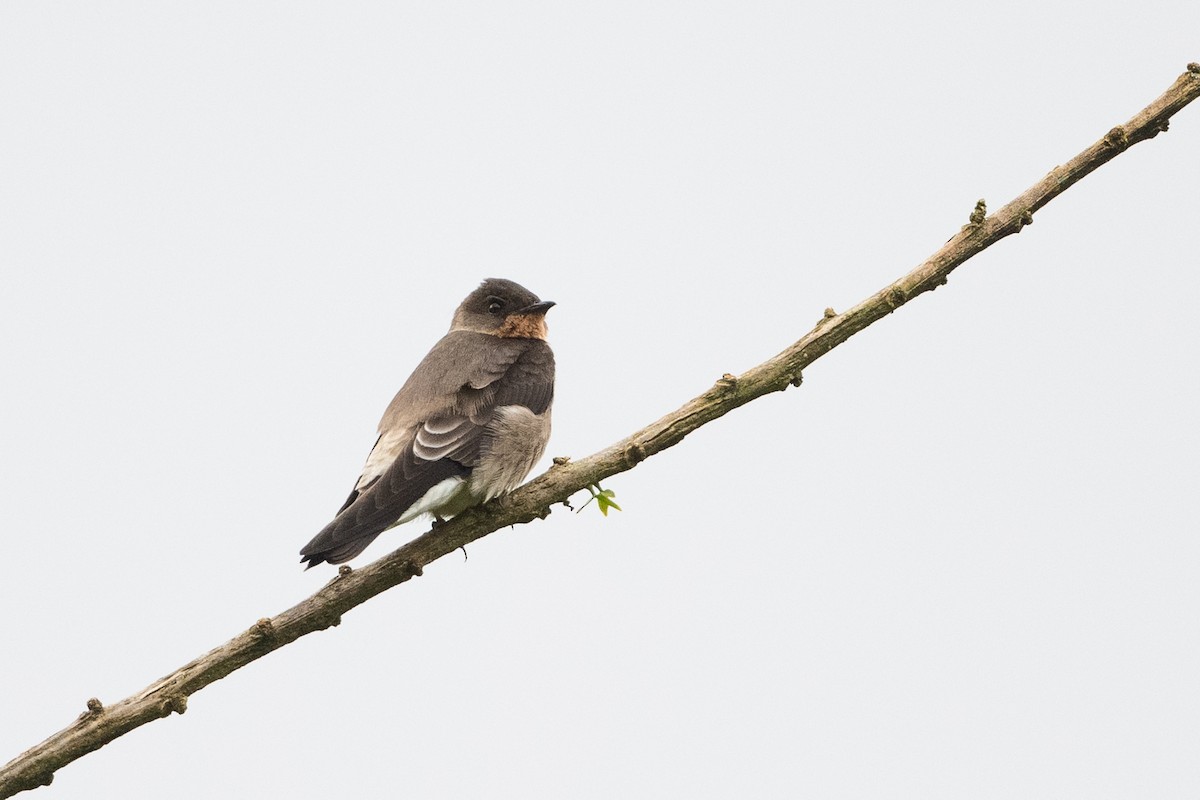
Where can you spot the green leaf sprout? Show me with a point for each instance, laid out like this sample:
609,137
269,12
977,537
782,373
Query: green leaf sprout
603,497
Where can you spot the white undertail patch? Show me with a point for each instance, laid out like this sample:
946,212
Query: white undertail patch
440,495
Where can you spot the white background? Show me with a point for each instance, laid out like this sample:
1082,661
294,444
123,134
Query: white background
959,562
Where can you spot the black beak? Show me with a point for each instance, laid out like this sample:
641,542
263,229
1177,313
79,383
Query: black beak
538,308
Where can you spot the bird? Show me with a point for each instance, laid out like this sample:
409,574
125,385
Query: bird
467,426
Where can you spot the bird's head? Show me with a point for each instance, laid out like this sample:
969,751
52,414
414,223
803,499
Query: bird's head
502,308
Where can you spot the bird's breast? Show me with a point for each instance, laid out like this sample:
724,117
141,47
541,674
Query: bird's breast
514,440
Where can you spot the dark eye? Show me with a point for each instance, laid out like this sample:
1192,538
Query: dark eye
495,305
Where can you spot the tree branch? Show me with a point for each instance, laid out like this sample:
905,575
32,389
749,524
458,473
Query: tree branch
100,725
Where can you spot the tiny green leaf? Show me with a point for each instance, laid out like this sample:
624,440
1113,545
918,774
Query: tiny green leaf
603,497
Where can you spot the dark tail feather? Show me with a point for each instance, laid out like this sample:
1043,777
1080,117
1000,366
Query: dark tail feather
370,512
336,554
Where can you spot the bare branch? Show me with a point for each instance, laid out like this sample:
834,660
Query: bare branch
99,725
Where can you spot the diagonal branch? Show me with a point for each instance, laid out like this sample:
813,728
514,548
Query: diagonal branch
100,725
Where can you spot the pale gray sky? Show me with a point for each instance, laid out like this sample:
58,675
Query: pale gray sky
959,562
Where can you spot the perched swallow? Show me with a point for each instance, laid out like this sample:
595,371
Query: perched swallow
468,424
